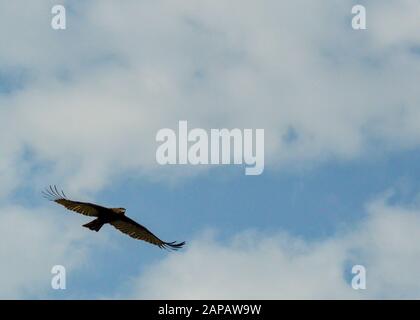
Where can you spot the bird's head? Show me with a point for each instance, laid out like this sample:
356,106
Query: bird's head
119,210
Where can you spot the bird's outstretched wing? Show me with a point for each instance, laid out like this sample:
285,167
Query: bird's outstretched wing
137,231
85,208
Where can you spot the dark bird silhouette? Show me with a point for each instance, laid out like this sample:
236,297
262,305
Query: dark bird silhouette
114,216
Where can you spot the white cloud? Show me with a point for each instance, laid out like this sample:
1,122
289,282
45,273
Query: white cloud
98,92
33,241
254,265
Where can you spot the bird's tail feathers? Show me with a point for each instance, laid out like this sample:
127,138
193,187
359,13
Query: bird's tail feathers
94,225
174,245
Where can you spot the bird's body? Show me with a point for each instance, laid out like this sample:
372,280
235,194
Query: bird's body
114,216
108,215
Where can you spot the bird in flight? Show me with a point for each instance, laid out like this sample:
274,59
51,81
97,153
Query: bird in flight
114,216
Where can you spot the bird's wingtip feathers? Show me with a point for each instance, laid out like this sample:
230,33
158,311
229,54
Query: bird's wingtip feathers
173,245
51,193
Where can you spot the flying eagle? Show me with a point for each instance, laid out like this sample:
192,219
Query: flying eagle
114,216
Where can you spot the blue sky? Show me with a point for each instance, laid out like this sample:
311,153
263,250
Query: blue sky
80,108
312,205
